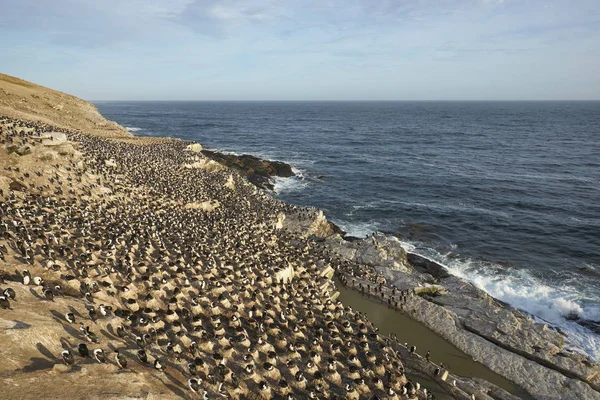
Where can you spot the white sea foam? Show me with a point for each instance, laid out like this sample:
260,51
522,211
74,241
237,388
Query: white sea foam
132,129
291,184
357,229
227,152
287,185
525,292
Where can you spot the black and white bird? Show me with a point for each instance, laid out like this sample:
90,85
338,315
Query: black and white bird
194,385
99,356
10,293
120,359
142,356
120,331
105,310
92,313
158,365
4,302
49,294
70,317
89,335
68,357
83,350
26,277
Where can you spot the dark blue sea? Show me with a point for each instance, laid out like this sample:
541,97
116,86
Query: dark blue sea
504,194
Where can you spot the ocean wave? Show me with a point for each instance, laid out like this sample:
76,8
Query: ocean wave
288,185
357,229
549,304
132,129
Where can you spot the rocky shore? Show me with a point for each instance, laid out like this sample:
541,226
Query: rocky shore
146,268
258,171
510,343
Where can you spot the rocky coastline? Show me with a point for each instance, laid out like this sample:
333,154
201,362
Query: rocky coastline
495,334
258,171
508,342
148,268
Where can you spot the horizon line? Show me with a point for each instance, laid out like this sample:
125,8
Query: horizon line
354,101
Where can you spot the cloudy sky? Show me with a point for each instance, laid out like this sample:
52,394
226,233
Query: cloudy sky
305,50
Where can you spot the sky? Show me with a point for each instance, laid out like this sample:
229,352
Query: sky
305,50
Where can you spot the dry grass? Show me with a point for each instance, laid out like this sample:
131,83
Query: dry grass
26,100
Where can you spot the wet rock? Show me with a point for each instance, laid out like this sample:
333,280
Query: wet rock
258,171
427,266
262,181
591,325
510,343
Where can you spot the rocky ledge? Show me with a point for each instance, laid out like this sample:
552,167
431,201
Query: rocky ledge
532,355
257,170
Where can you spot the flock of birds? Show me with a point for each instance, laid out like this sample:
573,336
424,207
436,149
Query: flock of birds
220,298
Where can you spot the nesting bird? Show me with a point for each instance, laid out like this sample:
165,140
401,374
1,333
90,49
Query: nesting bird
174,264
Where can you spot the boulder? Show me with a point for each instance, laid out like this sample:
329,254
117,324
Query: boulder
209,205
195,147
47,155
230,184
53,138
19,150
312,223
207,165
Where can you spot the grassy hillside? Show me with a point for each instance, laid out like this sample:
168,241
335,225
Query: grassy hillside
26,100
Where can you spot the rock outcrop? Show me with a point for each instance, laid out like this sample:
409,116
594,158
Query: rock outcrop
307,223
508,342
205,164
258,171
195,147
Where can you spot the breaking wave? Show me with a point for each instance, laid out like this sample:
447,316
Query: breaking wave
520,289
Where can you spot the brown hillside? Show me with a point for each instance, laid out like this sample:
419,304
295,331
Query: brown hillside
26,100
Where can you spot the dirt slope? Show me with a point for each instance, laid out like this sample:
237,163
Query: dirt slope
26,100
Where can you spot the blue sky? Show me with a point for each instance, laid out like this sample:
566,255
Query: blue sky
305,50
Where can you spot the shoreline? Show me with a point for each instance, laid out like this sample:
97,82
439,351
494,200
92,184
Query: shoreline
434,272
591,325
163,252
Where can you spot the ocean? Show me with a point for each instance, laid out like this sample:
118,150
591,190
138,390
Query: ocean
503,194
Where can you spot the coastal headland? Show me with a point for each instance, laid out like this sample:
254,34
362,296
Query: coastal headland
148,268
